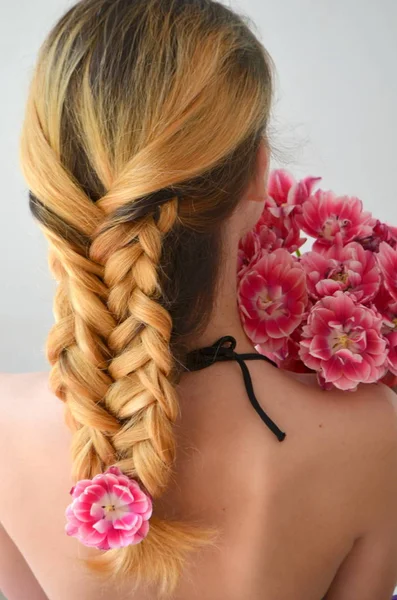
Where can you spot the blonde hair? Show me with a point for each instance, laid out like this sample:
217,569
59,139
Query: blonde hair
131,101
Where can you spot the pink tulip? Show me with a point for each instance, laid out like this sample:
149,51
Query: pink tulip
108,511
324,215
350,269
387,308
268,239
278,356
392,353
248,252
303,190
279,185
287,193
381,233
287,358
272,299
284,229
277,225
342,341
387,261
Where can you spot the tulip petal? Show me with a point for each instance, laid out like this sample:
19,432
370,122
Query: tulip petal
123,494
127,522
103,526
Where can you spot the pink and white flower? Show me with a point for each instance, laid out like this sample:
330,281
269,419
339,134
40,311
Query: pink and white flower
248,251
272,298
391,338
277,226
381,233
268,239
287,193
324,215
387,261
108,511
387,308
280,231
279,185
287,358
349,268
343,342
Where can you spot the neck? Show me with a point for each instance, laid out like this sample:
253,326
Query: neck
225,317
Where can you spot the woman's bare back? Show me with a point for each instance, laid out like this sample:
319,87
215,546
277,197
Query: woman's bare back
298,518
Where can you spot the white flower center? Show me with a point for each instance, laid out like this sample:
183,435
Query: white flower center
113,507
343,341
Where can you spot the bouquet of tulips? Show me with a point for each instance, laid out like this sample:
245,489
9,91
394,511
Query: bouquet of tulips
331,310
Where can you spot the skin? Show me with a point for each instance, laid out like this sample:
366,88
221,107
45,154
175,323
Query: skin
313,517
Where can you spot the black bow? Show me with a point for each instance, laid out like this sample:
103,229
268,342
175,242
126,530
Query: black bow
224,350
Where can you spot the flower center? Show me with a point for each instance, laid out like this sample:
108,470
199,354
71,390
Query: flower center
341,276
265,300
332,225
109,508
271,307
342,341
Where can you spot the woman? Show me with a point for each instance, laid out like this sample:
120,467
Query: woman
145,150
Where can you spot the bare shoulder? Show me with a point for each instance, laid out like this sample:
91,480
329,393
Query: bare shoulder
34,439
32,417
370,410
16,388
367,418
357,429
355,453
371,419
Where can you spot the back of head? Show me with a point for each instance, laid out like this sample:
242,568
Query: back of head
141,131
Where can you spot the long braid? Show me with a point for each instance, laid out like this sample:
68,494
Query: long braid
111,365
142,364
132,98
143,394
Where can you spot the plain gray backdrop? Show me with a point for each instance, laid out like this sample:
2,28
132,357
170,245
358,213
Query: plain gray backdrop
334,116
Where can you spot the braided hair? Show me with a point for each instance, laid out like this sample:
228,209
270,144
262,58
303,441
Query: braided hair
141,131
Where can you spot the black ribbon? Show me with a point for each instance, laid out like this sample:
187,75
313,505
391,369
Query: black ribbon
219,352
